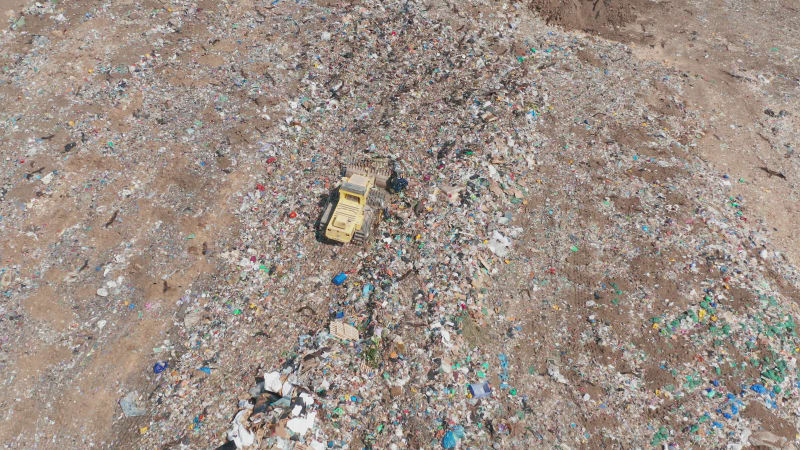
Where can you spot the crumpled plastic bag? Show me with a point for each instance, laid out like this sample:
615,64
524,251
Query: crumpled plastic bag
499,244
238,433
274,384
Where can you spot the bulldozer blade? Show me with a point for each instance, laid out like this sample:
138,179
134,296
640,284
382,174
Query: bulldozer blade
378,167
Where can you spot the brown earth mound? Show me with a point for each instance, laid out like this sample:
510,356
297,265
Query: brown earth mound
586,15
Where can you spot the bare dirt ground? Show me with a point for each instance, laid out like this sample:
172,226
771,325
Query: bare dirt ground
718,44
743,60
132,146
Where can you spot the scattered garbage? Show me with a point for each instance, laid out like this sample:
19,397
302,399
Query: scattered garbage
557,266
398,184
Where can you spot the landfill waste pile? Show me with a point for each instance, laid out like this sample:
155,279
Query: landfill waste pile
556,266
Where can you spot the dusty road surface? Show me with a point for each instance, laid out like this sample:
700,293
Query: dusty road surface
599,227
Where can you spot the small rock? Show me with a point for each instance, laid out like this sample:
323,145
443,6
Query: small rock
102,292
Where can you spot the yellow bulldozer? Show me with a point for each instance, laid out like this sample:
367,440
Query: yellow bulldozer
350,215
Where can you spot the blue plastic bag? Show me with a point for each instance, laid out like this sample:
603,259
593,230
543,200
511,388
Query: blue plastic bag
339,279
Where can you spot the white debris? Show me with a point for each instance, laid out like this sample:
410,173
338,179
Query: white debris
301,425
499,244
344,331
272,382
238,433
555,373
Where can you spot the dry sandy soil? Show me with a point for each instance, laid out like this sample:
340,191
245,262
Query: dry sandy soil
712,40
166,219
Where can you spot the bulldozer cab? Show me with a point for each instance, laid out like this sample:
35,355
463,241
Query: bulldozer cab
354,189
349,214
